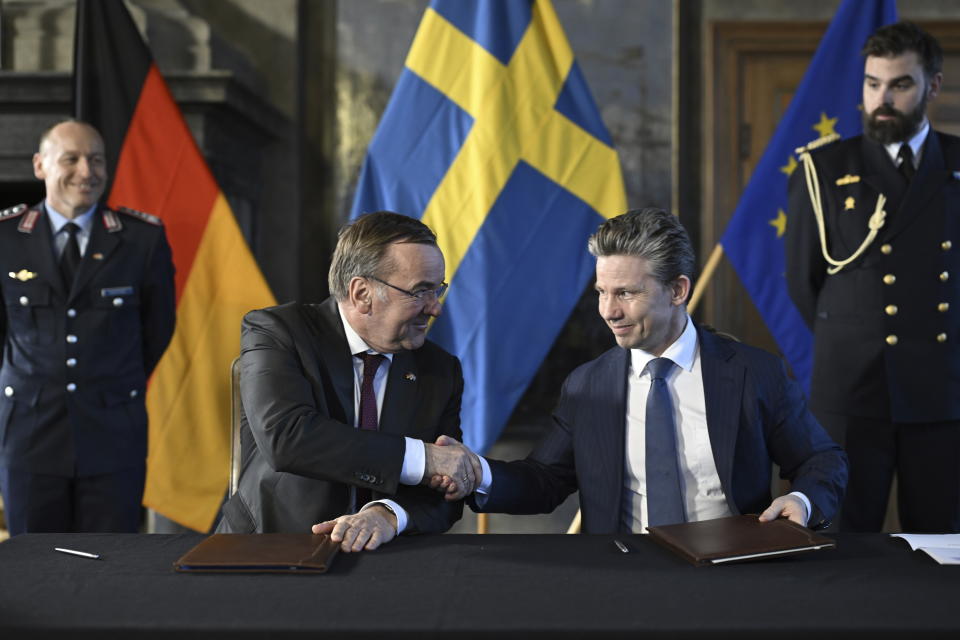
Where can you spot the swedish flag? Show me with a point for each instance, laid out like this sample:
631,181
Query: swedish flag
492,138
826,102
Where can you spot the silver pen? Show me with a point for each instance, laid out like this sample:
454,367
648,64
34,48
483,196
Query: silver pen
73,552
621,546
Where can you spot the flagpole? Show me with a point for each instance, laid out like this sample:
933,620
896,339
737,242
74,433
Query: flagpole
705,277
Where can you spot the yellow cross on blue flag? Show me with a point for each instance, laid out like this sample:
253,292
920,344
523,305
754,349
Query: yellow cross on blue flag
827,101
492,139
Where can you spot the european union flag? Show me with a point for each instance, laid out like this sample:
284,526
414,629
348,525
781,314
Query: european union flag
826,102
491,137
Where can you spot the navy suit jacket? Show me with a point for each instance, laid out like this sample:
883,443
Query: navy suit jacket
755,415
76,361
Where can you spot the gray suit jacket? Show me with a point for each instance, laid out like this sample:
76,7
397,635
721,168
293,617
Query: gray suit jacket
300,450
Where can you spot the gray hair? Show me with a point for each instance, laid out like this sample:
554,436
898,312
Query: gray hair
362,247
652,234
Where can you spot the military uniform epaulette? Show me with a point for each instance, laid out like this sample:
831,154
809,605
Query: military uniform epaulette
146,217
13,212
816,144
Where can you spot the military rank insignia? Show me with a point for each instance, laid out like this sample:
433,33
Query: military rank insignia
847,179
23,275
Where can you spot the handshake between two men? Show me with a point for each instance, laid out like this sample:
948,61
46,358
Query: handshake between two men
354,412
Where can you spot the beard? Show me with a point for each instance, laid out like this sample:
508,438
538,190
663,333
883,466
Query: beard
899,128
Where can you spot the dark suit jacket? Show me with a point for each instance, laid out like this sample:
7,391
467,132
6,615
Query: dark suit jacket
297,385
755,415
104,336
854,312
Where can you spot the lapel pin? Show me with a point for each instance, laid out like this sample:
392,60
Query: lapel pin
849,204
23,275
97,256
847,179
410,376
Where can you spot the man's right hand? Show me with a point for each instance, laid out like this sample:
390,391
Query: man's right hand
451,468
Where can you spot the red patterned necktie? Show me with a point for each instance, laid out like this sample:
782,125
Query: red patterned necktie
368,408
368,397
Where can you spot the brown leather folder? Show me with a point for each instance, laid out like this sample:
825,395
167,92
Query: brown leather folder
260,553
736,539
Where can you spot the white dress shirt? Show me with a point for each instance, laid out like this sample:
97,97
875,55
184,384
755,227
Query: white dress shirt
60,235
703,496
916,145
702,492
414,457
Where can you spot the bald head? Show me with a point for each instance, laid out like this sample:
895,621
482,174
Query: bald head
72,164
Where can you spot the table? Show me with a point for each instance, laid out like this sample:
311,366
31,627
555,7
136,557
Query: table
428,586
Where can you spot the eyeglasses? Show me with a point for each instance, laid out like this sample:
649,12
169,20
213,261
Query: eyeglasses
424,295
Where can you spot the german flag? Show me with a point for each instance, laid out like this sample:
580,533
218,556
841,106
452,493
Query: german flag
156,167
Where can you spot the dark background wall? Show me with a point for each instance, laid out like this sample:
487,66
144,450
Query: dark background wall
284,95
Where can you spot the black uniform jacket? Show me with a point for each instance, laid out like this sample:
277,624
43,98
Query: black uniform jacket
301,453
886,327
75,363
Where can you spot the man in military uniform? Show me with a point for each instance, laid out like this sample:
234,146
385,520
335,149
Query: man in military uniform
87,310
872,264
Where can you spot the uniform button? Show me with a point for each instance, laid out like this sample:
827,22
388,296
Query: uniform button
118,302
943,307
133,393
71,362
891,309
71,339
889,278
946,245
24,300
944,276
891,340
941,337
71,387
71,313
8,391
886,249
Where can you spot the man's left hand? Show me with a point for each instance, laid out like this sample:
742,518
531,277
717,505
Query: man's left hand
368,529
788,506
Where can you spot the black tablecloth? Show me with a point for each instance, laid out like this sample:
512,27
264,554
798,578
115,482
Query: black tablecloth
432,585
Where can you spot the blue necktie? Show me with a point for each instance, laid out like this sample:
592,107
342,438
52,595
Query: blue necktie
664,493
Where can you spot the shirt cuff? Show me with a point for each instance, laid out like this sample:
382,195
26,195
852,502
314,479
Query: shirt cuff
806,503
483,490
486,479
398,511
414,462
